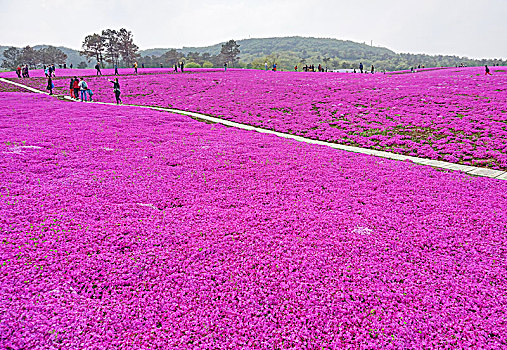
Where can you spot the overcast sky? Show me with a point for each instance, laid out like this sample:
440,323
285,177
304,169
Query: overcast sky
475,28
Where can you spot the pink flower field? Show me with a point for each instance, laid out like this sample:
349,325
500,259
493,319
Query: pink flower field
123,227
456,115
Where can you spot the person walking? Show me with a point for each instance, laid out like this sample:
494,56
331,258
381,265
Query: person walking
176,67
75,87
83,87
116,89
135,67
361,67
487,70
97,68
116,69
50,85
71,87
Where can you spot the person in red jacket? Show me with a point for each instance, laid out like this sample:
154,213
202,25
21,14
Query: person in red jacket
75,86
18,71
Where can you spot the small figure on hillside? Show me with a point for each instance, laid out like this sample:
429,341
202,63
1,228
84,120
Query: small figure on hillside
265,65
83,87
71,65
50,85
46,71
135,67
116,89
355,70
53,70
225,67
142,65
361,67
274,67
18,71
372,69
116,69
97,67
295,68
75,86
319,68
26,72
71,88
161,65
176,67
65,66
487,70
182,65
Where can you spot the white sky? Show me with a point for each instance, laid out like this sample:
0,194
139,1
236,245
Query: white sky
474,28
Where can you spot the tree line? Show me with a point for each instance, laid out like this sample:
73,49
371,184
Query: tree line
14,57
229,54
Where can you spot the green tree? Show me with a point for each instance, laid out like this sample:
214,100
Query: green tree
229,52
127,48
93,47
12,58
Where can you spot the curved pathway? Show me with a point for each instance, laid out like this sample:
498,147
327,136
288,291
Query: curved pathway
476,171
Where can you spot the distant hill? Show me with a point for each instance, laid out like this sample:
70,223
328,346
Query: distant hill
304,46
333,53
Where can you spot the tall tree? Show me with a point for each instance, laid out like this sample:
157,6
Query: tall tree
12,58
93,47
229,53
29,56
169,58
127,48
51,55
112,46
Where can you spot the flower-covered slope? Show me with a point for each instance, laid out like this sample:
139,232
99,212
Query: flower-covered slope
125,227
456,115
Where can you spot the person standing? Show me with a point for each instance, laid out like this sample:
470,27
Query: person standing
135,67
225,67
71,87
116,69
361,67
372,69
27,73
75,86
53,68
50,85
18,71
266,66
97,68
296,68
83,87
176,67
46,71
142,65
71,65
182,66
116,89
487,70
